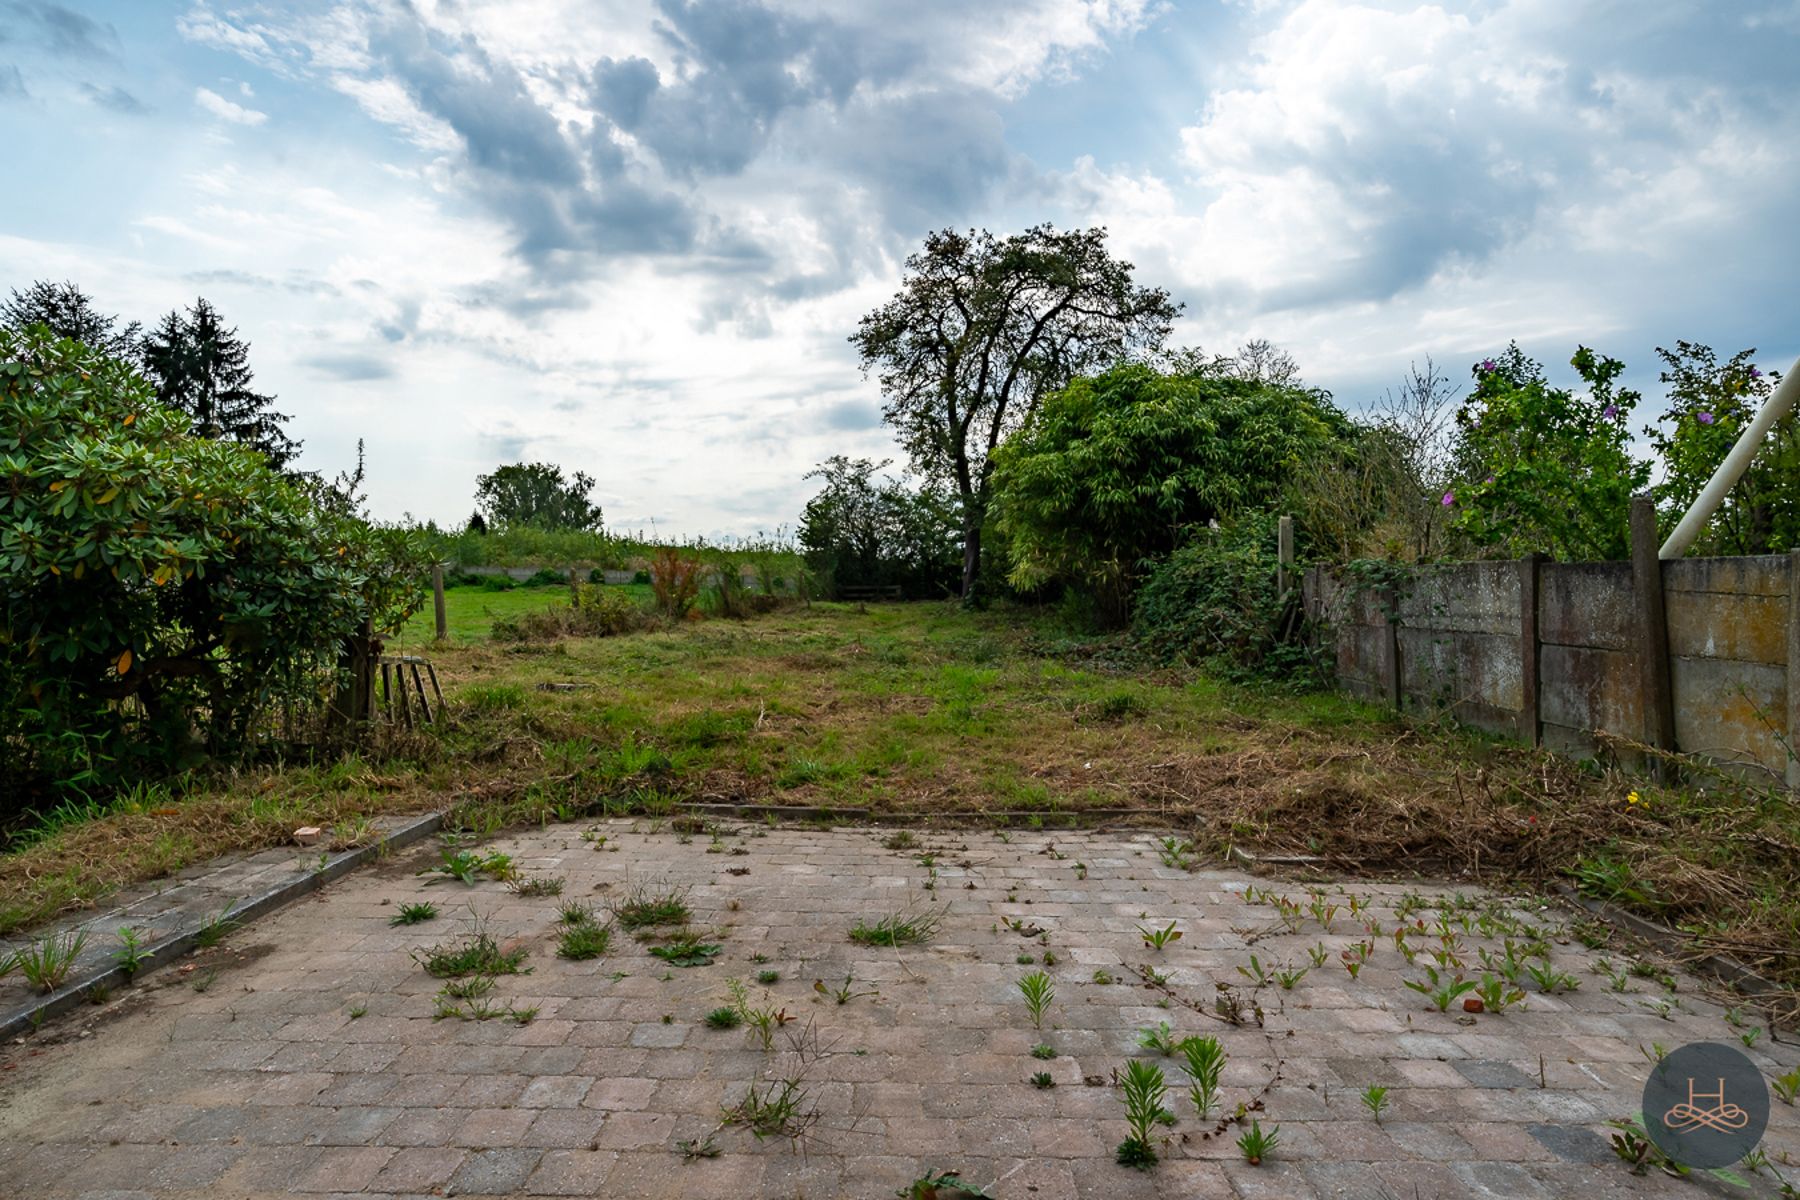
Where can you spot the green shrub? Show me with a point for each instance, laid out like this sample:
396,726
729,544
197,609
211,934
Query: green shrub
1547,468
496,583
1115,469
675,578
162,594
594,611
546,577
1213,602
1709,404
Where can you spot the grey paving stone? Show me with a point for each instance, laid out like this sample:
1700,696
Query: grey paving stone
1572,1143
494,1172
262,1086
1491,1073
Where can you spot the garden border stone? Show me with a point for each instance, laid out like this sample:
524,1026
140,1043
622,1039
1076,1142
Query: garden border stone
23,1018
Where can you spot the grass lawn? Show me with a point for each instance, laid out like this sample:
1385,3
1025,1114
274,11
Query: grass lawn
470,613
924,710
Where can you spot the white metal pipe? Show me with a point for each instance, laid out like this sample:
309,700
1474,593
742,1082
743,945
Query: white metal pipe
1748,443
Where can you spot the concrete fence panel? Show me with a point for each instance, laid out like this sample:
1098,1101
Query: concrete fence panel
1577,658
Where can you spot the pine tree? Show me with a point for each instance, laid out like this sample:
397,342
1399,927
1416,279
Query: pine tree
70,313
202,368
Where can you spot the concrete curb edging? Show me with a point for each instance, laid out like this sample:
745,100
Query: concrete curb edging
1722,967
167,950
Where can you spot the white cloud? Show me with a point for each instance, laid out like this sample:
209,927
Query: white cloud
454,242
226,110
1373,184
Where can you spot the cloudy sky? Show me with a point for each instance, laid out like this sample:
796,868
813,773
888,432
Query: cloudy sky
631,236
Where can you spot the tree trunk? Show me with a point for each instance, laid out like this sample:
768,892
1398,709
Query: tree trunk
971,549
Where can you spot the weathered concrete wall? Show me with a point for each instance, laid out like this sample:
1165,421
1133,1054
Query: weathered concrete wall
1728,655
1461,637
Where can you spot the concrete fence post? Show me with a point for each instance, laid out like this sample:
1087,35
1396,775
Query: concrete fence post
1793,671
1531,727
1390,619
1652,623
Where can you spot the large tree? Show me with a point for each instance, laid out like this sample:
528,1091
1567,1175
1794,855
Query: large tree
202,368
981,330
68,312
1118,469
536,494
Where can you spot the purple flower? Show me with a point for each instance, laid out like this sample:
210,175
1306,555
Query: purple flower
1487,364
1610,411
1449,499
1704,418
1490,479
1755,374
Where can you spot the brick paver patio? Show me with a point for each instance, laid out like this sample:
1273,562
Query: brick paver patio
269,1083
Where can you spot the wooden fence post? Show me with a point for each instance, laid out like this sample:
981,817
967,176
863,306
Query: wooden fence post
1531,728
437,599
1284,553
1652,632
1793,671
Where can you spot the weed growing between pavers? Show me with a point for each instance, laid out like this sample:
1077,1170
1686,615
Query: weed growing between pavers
46,962
468,867
780,1109
1157,939
131,953
1038,992
215,929
475,954
943,1185
414,914
686,948
1205,1064
693,1149
843,993
582,940
897,929
647,907
1142,1089
1256,1143
1161,1039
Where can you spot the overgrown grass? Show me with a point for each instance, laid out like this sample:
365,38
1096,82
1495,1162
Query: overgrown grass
991,717
895,929
645,907
470,613
475,954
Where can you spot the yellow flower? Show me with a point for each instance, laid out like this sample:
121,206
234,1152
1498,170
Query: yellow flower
1634,798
